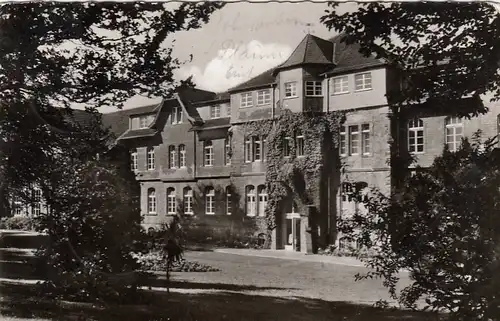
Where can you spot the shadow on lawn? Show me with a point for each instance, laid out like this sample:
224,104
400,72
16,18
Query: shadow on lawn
162,282
18,301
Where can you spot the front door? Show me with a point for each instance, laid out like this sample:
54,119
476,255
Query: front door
292,232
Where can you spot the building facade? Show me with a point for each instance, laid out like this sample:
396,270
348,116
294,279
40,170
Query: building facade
192,156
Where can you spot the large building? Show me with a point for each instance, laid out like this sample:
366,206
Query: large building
191,154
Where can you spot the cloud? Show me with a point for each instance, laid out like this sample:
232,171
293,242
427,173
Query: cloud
235,63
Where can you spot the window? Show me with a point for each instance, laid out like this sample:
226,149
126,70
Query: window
264,146
262,200
257,148
314,88
454,133
176,115
291,89
416,136
263,97
363,81
151,201
151,158
248,149
365,139
188,201
182,156
343,141
37,205
227,152
354,140
18,208
133,160
210,201
299,142
144,121
287,146
250,200
208,153
246,100
172,156
229,205
340,85
214,111
171,202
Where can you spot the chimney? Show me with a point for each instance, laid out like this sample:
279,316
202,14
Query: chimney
333,53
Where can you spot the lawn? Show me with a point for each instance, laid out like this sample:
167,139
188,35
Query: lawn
246,288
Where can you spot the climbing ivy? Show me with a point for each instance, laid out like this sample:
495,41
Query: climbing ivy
297,175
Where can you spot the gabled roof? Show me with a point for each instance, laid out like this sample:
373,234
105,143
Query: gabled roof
186,98
118,121
314,50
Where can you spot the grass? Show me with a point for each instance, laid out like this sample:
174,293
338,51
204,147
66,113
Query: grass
190,307
246,288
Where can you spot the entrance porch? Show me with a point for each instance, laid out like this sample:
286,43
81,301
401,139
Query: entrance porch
293,231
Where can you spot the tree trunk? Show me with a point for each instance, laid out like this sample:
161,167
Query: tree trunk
4,202
168,276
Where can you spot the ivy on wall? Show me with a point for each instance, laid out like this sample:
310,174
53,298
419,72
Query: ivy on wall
299,176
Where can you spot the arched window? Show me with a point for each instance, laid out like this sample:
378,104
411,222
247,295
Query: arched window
250,200
257,148
210,201
248,149
229,206
262,200
287,146
416,135
172,156
208,151
171,203
151,201
299,144
454,132
227,152
188,200
133,160
151,158
182,156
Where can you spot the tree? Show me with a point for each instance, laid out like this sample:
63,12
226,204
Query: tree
93,221
457,43
444,230
440,223
57,54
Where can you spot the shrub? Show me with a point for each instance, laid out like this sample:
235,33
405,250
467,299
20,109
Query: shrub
23,223
155,261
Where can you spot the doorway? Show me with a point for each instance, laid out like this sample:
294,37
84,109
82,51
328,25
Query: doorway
292,232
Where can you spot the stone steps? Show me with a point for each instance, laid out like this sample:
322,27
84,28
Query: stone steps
17,255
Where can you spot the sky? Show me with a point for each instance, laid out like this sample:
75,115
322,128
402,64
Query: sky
240,41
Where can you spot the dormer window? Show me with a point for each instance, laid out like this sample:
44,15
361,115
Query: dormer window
246,100
314,88
214,111
263,97
143,121
291,89
176,115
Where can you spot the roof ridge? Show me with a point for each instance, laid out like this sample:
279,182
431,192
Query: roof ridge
307,39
